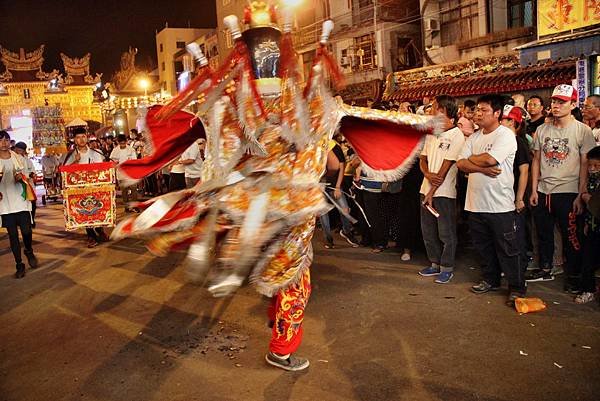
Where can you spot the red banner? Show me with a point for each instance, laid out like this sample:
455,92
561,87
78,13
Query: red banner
89,195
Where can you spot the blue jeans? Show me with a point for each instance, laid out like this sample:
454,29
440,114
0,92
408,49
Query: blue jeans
324,218
439,234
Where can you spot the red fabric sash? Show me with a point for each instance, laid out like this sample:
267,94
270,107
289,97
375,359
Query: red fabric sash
170,138
381,145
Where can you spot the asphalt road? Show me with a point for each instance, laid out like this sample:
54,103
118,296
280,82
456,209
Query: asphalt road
115,323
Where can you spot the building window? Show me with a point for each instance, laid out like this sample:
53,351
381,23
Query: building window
365,51
180,45
459,21
162,66
160,47
520,13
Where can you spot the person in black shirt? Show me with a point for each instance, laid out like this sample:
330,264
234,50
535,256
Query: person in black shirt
512,117
334,176
535,108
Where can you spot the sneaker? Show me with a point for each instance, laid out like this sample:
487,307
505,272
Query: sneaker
539,275
584,298
444,277
430,271
291,362
484,287
378,249
92,243
571,289
512,298
20,273
349,239
556,270
31,259
405,257
329,245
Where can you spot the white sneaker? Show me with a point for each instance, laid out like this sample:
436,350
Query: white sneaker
405,257
556,270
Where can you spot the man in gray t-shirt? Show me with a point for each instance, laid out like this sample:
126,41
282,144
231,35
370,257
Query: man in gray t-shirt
558,173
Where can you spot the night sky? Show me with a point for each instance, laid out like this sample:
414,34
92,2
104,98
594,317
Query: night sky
105,28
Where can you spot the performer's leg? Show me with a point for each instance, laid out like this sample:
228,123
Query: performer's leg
287,328
289,314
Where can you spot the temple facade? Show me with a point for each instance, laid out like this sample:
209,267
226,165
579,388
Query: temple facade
24,85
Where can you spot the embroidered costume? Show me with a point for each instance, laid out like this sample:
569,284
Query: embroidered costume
252,216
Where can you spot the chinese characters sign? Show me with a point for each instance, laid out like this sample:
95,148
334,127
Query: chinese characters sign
556,16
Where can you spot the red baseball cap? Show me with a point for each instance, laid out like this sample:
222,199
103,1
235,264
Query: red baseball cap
565,93
512,113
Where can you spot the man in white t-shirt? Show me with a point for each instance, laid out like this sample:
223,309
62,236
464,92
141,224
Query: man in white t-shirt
437,162
488,157
82,154
559,176
120,154
50,165
14,207
192,159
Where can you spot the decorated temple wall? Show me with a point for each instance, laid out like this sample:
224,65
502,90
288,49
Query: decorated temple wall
75,101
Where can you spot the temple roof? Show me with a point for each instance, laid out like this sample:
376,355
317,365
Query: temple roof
28,67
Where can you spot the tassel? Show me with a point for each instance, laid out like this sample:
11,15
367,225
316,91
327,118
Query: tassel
337,76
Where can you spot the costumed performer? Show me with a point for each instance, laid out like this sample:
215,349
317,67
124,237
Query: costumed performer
252,216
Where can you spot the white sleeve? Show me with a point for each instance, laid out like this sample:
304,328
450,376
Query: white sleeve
458,141
426,145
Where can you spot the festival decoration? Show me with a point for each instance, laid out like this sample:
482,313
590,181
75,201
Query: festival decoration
48,130
89,195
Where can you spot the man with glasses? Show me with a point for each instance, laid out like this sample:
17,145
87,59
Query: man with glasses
559,177
591,115
535,108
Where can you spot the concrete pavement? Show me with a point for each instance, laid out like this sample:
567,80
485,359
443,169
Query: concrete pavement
115,323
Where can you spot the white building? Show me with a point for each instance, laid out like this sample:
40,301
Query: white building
168,42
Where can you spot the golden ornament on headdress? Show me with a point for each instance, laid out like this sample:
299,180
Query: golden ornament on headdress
259,15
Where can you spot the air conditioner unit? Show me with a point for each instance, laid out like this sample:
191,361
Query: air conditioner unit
432,24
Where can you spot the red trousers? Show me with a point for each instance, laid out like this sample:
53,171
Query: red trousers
287,312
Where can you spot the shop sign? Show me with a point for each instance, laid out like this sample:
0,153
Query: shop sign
556,16
581,79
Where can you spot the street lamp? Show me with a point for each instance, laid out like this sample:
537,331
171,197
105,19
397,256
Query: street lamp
144,84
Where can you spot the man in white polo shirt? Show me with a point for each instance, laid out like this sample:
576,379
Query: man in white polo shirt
192,159
437,162
488,157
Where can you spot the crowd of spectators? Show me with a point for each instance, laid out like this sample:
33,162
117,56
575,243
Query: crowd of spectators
517,178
